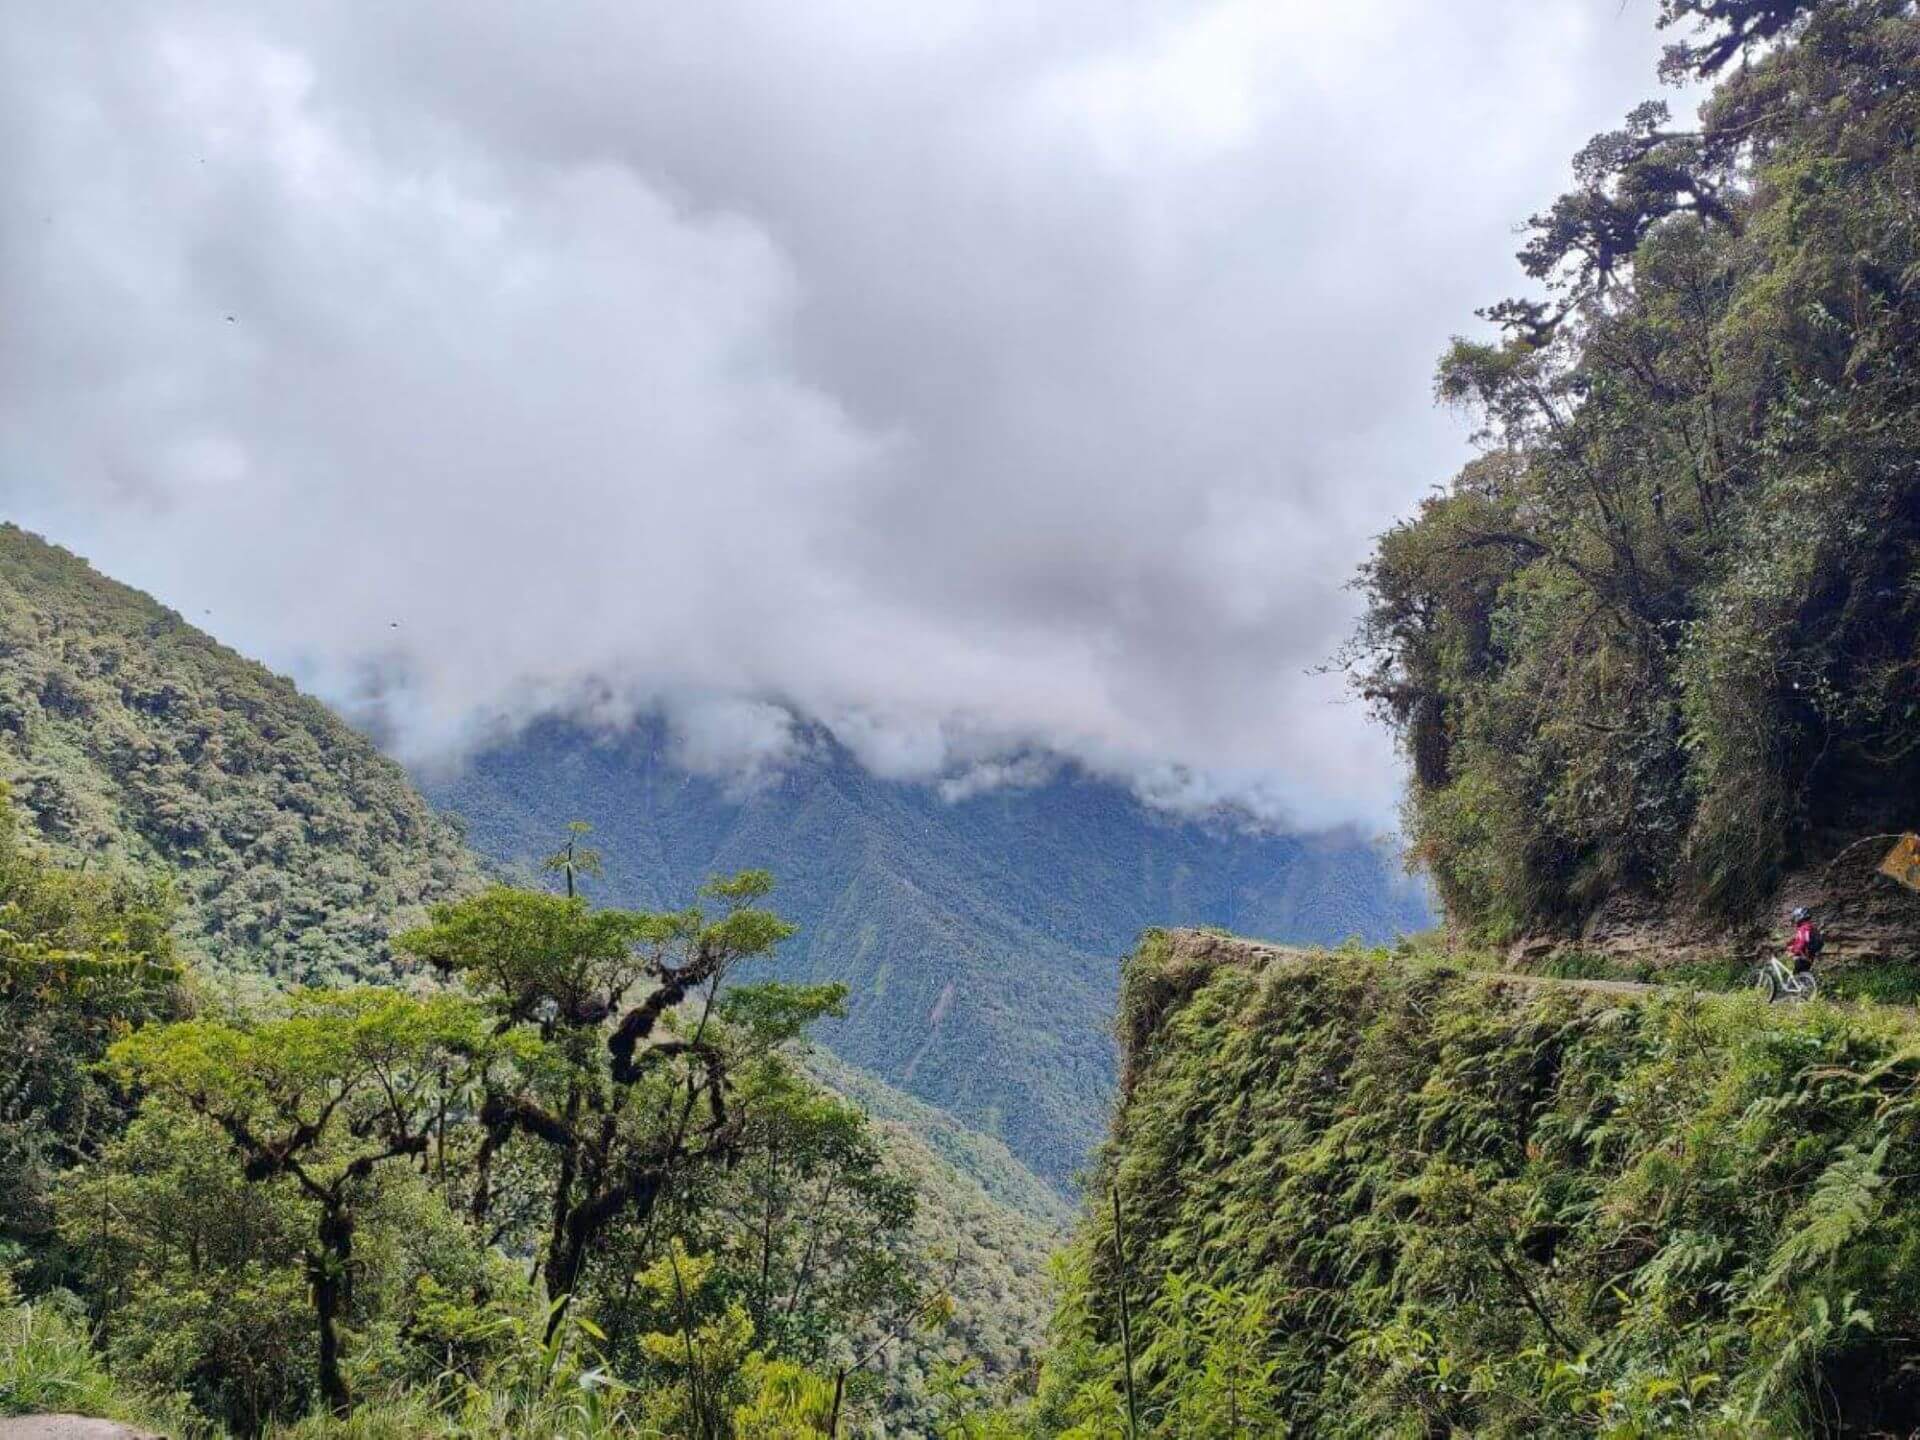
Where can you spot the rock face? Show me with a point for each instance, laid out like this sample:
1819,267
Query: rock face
69,1427
1863,914
1866,918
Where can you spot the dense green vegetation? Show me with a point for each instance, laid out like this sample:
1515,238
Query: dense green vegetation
578,1175
583,1184
978,938
986,1224
325,1162
1660,636
983,1160
1369,1197
83,957
130,736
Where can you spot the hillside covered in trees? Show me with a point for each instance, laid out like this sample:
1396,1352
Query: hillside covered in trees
979,936
223,1216
130,737
1658,642
145,746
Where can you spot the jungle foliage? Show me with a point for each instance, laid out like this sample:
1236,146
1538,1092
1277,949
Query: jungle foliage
584,1183
1369,1198
198,1284
132,739
84,957
1661,635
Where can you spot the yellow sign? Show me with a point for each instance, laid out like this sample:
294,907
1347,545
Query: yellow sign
1903,862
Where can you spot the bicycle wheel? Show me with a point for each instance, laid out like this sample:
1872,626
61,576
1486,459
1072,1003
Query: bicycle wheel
1807,987
1762,978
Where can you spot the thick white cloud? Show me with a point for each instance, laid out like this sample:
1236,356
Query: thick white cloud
978,380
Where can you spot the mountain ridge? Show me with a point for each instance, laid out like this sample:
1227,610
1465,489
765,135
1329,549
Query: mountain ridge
130,736
981,936
125,732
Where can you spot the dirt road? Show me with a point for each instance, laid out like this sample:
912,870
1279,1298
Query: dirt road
1206,944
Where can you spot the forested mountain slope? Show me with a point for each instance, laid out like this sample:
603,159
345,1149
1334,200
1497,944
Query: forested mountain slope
983,1160
191,1259
128,735
1653,653
137,745
1367,1197
979,936
987,1229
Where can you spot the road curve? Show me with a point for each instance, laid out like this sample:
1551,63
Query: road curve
1212,945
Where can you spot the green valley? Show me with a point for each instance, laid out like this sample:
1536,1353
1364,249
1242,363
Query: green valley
199,837
979,936
945,1042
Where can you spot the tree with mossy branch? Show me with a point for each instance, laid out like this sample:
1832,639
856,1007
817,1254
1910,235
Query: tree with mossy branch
623,1093
323,1096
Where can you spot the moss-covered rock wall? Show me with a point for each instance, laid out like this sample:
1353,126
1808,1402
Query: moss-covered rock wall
1381,1198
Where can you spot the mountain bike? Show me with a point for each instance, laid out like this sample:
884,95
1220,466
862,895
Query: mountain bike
1777,981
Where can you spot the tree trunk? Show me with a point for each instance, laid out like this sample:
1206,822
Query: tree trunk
328,1271
584,1223
562,1270
563,1210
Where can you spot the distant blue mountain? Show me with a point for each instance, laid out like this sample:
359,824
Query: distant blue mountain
980,937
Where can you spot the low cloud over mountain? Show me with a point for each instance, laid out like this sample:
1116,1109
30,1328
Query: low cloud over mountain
976,381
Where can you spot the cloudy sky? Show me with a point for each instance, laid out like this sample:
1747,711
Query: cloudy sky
973,378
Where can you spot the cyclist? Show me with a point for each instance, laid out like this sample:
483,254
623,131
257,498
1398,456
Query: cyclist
1806,944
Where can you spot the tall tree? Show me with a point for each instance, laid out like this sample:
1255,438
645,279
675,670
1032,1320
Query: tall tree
1659,639
345,1083
621,1093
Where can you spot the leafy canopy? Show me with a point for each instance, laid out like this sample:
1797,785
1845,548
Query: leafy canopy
1659,637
